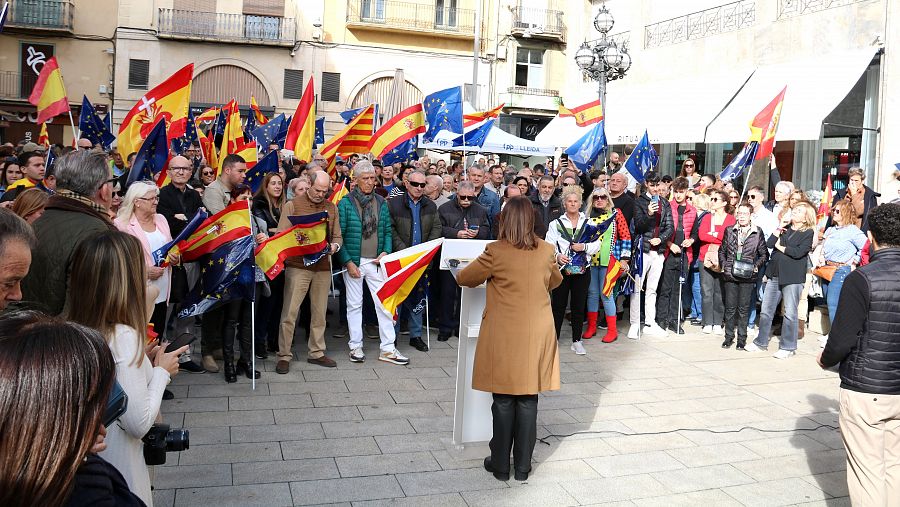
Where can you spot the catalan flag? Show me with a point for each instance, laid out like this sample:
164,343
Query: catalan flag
765,124
613,272
44,137
301,239
359,136
227,273
339,191
49,92
301,132
406,125
167,100
347,138
257,114
474,118
231,223
585,114
402,271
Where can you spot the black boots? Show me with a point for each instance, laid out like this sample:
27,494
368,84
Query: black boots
230,376
515,428
244,369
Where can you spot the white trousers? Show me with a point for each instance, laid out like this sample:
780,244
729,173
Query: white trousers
653,267
354,287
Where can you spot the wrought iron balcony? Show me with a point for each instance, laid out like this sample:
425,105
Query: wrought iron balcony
411,16
722,19
51,15
216,26
791,8
530,98
11,85
539,23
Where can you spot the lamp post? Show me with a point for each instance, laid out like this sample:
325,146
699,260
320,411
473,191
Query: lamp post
604,59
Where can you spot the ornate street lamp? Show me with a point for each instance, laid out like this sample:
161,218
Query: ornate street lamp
604,59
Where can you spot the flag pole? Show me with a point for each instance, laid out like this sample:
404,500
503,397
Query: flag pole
74,130
252,372
427,321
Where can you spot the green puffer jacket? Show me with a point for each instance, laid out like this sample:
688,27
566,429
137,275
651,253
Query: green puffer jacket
351,228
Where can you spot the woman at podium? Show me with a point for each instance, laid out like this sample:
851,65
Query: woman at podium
517,355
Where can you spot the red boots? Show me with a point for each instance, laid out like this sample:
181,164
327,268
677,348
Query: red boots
611,332
591,327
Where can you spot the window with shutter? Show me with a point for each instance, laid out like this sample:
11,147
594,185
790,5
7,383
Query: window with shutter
264,7
138,74
331,86
293,84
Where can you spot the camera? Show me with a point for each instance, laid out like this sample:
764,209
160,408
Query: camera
161,439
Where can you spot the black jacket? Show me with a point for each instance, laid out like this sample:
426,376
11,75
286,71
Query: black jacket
454,219
791,266
753,250
548,213
870,200
261,211
401,221
659,225
173,202
865,335
97,483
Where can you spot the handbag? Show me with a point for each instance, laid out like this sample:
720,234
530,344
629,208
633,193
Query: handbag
825,272
742,269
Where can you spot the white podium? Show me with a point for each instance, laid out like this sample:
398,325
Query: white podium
472,420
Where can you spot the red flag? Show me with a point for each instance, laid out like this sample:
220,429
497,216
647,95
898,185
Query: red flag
765,124
49,92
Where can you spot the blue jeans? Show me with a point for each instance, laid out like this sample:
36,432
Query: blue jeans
413,319
757,295
789,329
595,293
833,289
696,296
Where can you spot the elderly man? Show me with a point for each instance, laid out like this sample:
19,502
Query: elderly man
415,221
623,200
783,191
314,279
85,144
434,190
78,210
545,202
366,227
16,242
495,179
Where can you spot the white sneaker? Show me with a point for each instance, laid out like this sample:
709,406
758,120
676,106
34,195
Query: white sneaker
707,329
357,355
751,330
752,347
718,330
655,330
634,332
823,340
783,354
578,348
393,357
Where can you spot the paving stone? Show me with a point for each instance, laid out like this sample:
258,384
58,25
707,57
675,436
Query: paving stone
741,400
784,445
416,373
218,390
613,489
573,449
217,404
173,419
286,470
345,490
339,374
833,483
545,417
229,453
778,492
433,424
633,464
424,396
262,495
277,432
352,399
662,423
327,386
557,471
616,412
437,382
642,443
722,435
634,385
192,476
712,454
830,502
163,497
329,448
565,401
212,435
575,431
327,414
715,497
660,408
544,494
399,463
448,481
269,402
393,411
796,465
234,418
384,385
368,428
590,389
445,500
412,442
700,478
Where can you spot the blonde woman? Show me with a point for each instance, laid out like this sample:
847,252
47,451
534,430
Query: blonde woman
616,241
786,273
118,311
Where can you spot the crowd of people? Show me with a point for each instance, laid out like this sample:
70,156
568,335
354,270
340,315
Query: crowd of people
691,249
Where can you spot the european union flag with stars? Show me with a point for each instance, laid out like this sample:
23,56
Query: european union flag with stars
642,159
92,127
225,274
403,152
443,111
256,174
182,143
268,133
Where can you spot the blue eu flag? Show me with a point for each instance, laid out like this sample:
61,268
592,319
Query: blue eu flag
249,127
92,127
584,152
182,143
268,133
256,174
151,157
443,111
401,153
741,161
225,274
476,136
320,130
642,159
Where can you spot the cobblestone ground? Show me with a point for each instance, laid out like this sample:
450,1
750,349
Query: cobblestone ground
379,434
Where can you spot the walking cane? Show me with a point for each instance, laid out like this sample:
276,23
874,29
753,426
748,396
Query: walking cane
681,280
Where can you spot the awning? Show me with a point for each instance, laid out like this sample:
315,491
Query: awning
497,141
815,86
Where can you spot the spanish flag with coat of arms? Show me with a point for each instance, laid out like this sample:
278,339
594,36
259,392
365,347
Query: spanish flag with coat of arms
227,225
307,237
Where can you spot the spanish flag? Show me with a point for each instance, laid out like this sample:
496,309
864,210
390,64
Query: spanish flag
613,272
764,125
406,125
227,225
301,239
301,134
474,118
585,114
44,137
350,136
234,134
340,190
167,100
248,152
260,118
402,270
208,115
49,92
208,147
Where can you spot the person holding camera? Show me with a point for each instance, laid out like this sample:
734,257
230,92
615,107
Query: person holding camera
49,458
119,312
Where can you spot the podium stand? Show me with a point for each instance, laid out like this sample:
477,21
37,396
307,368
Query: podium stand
472,420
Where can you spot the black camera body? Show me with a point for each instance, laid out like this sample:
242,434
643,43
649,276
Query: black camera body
161,439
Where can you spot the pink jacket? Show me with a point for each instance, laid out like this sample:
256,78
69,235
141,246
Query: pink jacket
134,228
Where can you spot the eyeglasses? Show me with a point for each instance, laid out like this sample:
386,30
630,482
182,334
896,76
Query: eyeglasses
207,173
153,199
599,197
465,197
714,199
417,184
689,165
752,197
181,168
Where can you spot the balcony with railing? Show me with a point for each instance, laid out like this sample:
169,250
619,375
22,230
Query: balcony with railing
524,97
545,24
41,15
791,8
697,25
390,15
217,26
11,85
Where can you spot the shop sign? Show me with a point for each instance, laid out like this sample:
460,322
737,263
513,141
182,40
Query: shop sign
836,143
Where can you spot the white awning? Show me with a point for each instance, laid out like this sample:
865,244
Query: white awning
497,141
815,86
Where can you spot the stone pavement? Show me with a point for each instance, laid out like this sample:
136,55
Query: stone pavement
379,434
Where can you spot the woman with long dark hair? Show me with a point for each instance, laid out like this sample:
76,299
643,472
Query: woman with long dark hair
267,204
711,232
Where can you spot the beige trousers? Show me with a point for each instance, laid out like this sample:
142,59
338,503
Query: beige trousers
297,282
870,428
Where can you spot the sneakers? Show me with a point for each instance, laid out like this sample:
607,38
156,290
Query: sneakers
823,340
209,364
783,354
753,347
634,332
391,357
191,367
707,329
655,330
340,332
357,356
578,348
717,330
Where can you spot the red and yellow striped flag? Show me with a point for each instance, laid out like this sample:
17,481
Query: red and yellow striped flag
208,115
44,137
234,134
585,114
301,134
167,100
403,270
301,239
765,124
248,152
350,137
401,128
260,118
49,92
227,225
340,190
473,118
613,272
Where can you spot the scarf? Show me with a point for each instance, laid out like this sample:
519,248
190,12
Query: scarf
369,220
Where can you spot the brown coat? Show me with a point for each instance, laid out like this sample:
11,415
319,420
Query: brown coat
517,352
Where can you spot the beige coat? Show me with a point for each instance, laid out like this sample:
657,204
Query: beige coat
517,352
